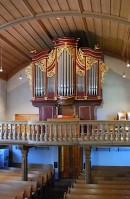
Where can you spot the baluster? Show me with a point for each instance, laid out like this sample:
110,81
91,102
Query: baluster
60,133
2,133
6,132
103,133
112,133
9,131
76,134
108,133
118,132
128,132
14,133
37,133
98,132
33,132
50,137
24,131
29,132
41,134
65,130
88,131
56,136
93,136
82,132
70,132
123,133
45,135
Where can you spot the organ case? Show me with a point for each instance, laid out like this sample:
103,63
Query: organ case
67,75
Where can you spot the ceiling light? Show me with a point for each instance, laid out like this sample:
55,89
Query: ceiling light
58,18
128,64
20,77
124,75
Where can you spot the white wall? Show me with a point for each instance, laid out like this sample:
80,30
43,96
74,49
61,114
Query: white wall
18,96
3,99
116,96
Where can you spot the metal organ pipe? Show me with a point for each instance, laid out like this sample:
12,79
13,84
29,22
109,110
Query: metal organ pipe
65,74
64,66
36,79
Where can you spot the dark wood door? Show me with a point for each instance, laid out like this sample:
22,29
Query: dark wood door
70,161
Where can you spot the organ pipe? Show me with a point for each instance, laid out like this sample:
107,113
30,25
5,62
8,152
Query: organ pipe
62,67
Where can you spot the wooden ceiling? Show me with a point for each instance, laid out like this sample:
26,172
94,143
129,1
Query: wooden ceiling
32,24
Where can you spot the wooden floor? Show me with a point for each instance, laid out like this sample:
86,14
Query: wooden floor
58,189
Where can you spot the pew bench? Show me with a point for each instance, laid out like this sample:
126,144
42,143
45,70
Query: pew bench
99,191
75,196
101,186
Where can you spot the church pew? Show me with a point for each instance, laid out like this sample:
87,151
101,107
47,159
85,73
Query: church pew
8,197
25,189
101,186
99,191
116,182
75,196
79,181
34,185
12,193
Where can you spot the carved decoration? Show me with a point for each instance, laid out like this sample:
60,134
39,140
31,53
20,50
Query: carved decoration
51,73
104,69
80,57
89,62
70,50
51,58
28,71
41,64
79,71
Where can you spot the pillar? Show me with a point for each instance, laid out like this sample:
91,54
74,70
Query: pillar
87,150
24,151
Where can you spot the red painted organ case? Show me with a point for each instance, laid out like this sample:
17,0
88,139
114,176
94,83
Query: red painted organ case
67,77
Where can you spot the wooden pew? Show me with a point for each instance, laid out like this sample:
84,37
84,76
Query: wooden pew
75,196
8,197
116,182
101,186
17,189
33,185
99,191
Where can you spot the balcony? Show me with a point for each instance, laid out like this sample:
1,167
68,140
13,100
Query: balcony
56,133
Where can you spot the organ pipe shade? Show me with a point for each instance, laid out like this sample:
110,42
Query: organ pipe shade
65,74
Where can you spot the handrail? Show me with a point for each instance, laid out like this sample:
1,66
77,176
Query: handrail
66,132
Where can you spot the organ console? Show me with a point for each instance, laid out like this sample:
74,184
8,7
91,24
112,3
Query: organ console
67,76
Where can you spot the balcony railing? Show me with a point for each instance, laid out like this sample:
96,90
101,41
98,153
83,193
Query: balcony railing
61,132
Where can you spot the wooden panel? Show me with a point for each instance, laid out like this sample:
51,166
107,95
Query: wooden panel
47,112
26,117
66,110
85,113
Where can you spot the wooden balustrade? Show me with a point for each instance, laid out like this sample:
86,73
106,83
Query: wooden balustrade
66,132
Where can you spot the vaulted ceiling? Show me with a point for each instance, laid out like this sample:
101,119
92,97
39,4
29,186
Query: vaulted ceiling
33,24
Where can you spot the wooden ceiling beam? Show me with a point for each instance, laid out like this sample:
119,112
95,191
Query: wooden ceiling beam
64,14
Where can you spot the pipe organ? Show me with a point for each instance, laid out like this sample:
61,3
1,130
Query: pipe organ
67,76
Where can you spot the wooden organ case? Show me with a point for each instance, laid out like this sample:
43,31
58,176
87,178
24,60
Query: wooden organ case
67,78
67,81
